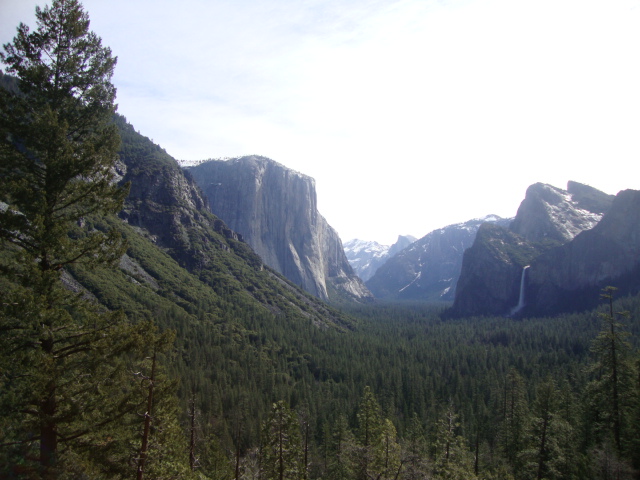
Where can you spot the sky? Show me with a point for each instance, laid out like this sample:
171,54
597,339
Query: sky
409,114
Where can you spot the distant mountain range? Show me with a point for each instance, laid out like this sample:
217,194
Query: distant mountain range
367,256
429,268
561,248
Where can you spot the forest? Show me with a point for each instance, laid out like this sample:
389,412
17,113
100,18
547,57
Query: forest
117,361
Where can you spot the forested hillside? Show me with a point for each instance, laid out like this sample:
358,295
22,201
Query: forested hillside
140,337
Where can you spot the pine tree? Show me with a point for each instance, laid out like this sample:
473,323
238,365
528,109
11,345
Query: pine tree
415,452
161,450
388,452
544,457
515,418
340,451
368,433
613,392
453,460
62,356
281,456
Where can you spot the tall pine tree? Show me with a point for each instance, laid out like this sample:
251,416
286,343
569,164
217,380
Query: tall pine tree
368,434
62,356
613,392
281,456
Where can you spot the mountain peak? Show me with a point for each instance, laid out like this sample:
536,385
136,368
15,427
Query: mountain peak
550,214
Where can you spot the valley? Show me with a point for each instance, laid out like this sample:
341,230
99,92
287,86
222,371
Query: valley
207,322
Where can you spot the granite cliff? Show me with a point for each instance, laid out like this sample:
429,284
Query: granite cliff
552,215
275,210
529,266
167,206
570,277
490,273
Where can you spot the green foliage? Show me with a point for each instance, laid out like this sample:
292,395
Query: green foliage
378,453
415,451
281,451
515,420
614,390
243,360
340,450
548,431
452,458
58,144
64,363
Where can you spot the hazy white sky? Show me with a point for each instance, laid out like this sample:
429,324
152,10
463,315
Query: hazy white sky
410,114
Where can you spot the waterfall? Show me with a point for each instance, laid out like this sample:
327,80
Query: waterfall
518,307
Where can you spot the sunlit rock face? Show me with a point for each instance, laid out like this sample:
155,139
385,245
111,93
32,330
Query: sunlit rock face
556,232
275,210
554,215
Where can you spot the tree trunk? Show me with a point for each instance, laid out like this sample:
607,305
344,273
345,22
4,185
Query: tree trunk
48,428
192,441
543,446
144,449
49,431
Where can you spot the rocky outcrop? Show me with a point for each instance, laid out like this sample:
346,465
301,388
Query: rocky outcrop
549,214
544,236
275,210
569,278
428,269
491,272
367,256
167,205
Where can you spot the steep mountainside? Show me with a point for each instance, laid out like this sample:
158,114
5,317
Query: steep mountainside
548,218
491,269
167,208
367,256
275,210
429,268
569,277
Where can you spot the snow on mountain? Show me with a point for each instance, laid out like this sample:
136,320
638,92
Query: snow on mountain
366,256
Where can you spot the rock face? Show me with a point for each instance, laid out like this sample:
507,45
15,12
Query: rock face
491,271
428,269
549,214
569,278
367,256
555,234
275,210
167,204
